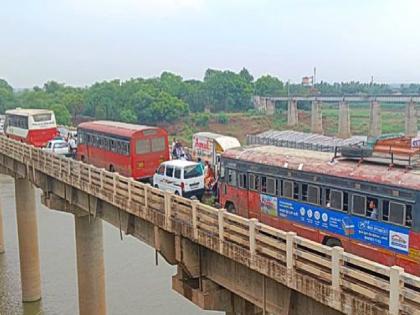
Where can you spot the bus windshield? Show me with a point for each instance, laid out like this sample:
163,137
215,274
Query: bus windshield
42,117
193,171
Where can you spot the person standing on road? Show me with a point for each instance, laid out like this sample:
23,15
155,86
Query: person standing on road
72,147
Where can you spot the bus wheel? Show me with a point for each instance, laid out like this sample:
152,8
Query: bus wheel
230,207
332,242
83,159
111,168
177,192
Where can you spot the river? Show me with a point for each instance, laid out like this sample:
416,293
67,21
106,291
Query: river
134,285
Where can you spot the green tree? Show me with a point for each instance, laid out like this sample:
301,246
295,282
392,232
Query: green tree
62,115
269,86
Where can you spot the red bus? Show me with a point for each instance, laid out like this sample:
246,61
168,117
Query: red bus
370,210
32,126
131,150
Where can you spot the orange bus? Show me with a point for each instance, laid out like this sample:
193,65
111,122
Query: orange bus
131,150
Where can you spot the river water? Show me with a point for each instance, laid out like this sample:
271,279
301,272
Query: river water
134,285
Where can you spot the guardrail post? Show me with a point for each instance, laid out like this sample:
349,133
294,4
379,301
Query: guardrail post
168,210
194,205
252,242
146,197
114,183
290,255
221,220
395,286
336,263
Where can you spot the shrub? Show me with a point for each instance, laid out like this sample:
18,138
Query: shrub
201,119
222,118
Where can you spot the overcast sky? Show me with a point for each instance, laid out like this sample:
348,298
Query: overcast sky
81,41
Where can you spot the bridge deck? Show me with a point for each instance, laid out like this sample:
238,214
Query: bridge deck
340,280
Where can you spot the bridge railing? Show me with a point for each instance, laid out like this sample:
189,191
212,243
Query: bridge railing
282,256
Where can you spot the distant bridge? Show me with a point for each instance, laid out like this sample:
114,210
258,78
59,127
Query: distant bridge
268,104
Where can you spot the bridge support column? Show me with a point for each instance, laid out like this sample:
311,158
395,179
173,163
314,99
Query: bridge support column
375,128
28,240
292,113
411,120
316,118
344,120
90,266
2,247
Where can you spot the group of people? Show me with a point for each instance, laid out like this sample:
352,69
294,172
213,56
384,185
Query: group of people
210,178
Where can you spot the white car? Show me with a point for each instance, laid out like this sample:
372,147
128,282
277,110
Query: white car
184,178
57,146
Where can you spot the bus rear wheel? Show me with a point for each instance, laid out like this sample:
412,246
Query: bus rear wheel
332,242
230,207
111,168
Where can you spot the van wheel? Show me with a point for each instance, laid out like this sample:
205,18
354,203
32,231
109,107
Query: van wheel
156,186
176,192
332,242
230,207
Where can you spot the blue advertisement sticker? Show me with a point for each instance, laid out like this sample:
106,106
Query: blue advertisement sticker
381,234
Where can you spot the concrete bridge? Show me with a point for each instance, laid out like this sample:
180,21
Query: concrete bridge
267,104
225,262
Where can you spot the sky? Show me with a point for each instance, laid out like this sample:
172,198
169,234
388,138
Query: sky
78,42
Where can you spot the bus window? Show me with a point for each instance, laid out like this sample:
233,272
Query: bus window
385,210
169,170
288,189
243,180
313,194
177,173
222,172
345,201
336,199
271,186
142,146
158,144
263,184
279,186
408,215
304,192
359,205
372,208
295,190
232,177
254,182
396,212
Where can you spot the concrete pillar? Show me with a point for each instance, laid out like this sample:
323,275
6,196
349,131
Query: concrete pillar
270,106
90,266
2,248
344,120
316,118
411,120
28,240
292,113
375,128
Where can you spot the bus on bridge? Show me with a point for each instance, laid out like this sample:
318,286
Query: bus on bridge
131,150
370,210
32,126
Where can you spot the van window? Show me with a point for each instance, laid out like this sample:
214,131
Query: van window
161,170
177,172
169,170
142,146
193,171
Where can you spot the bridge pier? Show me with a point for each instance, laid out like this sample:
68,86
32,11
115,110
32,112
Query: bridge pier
411,119
28,240
2,248
316,118
375,128
344,120
292,113
90,265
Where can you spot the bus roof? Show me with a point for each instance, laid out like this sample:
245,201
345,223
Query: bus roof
320,163
27,111
115,128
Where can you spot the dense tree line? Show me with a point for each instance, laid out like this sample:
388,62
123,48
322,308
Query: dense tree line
170,97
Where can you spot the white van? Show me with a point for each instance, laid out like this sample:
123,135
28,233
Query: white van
184,178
